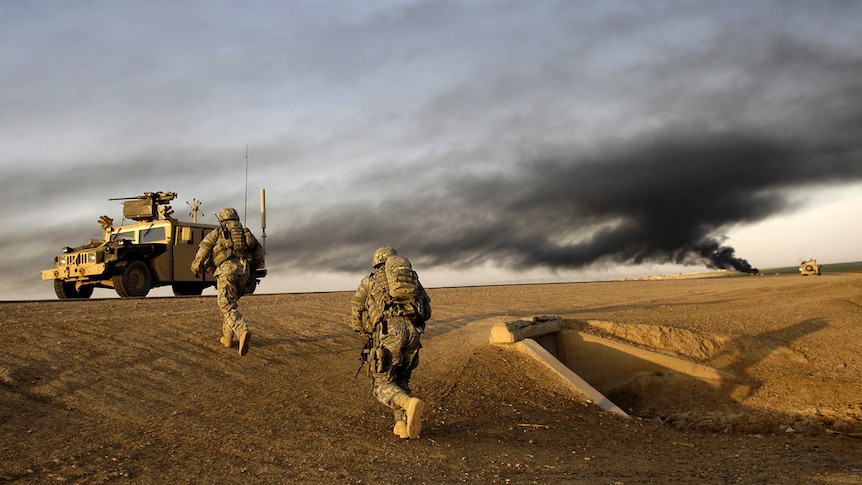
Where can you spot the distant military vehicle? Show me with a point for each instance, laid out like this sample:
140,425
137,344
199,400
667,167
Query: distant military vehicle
809,267
155,250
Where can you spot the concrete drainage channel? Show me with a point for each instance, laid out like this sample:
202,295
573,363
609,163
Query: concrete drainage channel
598,367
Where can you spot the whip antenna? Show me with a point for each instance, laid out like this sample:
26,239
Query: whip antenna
263,218
245,210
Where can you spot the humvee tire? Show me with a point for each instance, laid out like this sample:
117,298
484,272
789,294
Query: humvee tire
65,291
134,279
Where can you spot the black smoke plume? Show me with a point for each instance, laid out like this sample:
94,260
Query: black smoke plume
791,122
666,199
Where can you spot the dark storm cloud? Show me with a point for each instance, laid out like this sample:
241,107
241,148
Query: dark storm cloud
94,180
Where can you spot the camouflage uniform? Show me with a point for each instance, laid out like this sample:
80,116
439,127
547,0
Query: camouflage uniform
395,331
235,253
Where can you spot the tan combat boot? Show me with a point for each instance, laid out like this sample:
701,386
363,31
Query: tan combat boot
413,408
244,340
400,429
226,341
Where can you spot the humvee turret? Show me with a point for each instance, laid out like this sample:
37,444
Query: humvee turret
154,250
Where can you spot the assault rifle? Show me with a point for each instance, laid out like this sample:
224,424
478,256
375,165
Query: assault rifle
363,356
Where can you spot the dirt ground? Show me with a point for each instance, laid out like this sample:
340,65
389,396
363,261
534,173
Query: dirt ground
141,391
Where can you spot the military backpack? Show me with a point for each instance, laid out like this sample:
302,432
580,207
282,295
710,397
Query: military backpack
401,280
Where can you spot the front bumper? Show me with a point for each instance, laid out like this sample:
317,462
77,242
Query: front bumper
75,272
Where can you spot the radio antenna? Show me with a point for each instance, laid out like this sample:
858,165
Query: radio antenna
245,211
195,207
263,217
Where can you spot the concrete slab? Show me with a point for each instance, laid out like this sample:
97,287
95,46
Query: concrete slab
589,364
515,330
608,364
575,382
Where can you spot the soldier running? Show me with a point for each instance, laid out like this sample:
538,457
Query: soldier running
235,253
393,327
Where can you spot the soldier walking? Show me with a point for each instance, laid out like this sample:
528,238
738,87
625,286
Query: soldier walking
393,326
234,253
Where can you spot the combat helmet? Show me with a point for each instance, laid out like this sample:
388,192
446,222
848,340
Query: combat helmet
227,214
381,255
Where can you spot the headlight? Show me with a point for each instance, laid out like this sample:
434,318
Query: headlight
92,257
62,260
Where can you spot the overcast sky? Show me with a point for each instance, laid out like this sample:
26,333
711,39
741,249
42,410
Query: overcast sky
488,141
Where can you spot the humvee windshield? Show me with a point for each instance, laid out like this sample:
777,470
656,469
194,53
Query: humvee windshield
148,235
124,236
153,234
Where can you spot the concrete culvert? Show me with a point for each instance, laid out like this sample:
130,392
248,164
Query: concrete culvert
630,378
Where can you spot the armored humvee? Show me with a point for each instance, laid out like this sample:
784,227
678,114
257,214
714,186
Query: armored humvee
809,267
154,250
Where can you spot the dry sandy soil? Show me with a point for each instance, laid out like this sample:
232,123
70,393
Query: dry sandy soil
141,391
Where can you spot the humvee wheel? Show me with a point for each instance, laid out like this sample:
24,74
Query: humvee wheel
134,279
66,290
187,289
